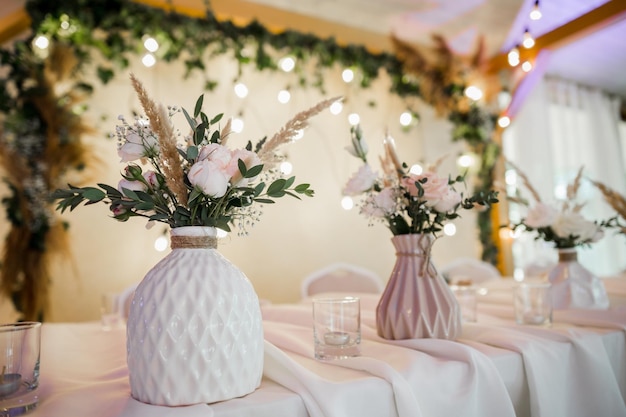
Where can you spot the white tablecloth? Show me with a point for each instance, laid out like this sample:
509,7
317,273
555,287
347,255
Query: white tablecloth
497,368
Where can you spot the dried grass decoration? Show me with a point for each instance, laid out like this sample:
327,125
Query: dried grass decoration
40,142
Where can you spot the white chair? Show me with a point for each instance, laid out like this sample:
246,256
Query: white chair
469,269
341,277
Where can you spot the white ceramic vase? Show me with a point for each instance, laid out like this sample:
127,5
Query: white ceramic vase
194,332
574,286
417,302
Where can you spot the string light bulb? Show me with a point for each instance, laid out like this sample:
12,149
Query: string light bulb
528,41
535,13
148,60
513,56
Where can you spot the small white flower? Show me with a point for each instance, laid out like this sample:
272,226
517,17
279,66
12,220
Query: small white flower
362,180
541,215
381,204
137,146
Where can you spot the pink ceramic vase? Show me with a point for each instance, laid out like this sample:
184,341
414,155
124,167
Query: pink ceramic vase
417,302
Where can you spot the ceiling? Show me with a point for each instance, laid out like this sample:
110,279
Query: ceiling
590,50
591,53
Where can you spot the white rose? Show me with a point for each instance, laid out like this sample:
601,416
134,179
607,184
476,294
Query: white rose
447,201
209,177
541,215
361,181
574,224
137,147
130,185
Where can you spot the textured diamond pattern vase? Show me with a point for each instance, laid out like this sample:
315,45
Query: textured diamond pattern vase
574,286
194,330
417,302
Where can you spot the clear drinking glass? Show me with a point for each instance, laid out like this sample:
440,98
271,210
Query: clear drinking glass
336,327
110,311
466,297
20,345
533,303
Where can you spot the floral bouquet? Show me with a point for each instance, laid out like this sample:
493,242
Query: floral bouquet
561,223
408,202
201,182
414,206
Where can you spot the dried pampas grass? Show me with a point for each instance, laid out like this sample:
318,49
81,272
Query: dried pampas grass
267,153
30,246
437,68
168,156
526,183
614,199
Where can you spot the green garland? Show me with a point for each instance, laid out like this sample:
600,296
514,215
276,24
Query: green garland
115,28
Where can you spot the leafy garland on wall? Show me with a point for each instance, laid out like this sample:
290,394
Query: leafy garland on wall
37,119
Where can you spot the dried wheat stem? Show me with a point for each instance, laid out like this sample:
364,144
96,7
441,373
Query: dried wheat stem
225,133
526,182
572,189
290,130
168,156
613,198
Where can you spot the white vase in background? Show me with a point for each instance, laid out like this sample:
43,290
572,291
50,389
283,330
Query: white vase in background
574,286
417,302
194,330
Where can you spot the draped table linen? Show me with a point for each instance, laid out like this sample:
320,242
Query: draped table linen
576,368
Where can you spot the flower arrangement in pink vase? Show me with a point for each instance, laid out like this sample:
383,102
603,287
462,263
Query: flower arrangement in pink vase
407,202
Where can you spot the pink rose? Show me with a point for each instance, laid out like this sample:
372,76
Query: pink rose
437,192
117,210
151,178
249,158
209,177
216,153
361,181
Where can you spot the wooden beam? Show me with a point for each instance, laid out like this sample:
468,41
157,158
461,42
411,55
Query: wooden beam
601,17
13,24
242,12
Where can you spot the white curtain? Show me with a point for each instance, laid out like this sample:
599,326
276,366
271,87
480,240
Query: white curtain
561,127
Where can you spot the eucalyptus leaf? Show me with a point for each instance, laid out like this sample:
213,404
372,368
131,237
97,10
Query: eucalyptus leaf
198,107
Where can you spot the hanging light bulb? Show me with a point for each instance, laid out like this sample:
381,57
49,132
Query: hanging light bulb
527,66
528,41
535,13
513,56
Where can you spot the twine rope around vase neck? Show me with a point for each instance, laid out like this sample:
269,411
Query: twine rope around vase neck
568,256
426,263
193,242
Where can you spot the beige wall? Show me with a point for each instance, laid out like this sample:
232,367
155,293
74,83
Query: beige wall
293,237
